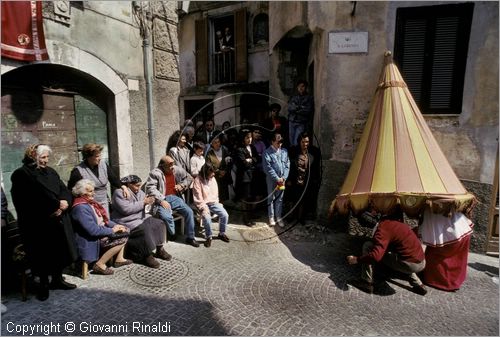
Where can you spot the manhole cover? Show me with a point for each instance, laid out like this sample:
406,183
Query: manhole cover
169,273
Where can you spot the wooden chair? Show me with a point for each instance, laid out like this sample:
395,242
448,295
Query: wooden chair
85,270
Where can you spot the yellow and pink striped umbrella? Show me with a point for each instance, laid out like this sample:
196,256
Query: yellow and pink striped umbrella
398,160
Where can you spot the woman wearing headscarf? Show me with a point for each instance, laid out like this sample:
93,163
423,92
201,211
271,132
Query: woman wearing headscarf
95,169
41,200
146,232
96,236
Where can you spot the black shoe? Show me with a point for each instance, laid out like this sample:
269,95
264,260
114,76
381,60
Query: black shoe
208,242
162,254
192,242
362,285
171,237
249,223
42,293
62,284
420,289
223,237
151,262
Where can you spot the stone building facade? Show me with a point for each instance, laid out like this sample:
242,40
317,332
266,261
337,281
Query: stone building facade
454,57
93,87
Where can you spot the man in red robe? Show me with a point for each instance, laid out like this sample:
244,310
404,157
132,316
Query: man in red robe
396,246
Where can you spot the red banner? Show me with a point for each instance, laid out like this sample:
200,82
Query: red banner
22,31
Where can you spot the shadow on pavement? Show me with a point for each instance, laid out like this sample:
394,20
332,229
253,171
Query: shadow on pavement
94,312
488,270
322,251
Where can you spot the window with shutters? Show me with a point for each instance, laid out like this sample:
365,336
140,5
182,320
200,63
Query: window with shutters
221,49
430,49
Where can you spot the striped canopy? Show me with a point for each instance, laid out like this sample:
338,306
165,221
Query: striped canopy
398,161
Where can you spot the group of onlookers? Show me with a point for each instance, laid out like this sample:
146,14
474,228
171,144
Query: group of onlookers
62,224
259,163
58,226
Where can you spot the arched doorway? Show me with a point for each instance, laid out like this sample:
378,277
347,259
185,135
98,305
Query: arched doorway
55,105
293,51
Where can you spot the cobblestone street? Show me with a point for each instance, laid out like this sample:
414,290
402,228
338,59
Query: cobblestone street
259,284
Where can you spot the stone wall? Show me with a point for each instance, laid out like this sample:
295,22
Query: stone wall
109,31
479,214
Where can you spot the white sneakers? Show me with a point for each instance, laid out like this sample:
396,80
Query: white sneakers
273,223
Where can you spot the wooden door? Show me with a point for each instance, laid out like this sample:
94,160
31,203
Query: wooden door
30,117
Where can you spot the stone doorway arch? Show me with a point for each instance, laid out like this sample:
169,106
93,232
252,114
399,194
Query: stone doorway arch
94,72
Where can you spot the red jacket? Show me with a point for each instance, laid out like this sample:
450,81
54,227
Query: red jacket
396,237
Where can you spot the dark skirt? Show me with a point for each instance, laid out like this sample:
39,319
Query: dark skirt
144,238
50,247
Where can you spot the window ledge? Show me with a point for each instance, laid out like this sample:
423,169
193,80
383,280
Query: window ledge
258,48
441,115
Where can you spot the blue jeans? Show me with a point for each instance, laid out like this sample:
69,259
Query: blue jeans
177,204
274,199
223,218
294,130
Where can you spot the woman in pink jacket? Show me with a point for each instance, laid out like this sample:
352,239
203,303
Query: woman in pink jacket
206,199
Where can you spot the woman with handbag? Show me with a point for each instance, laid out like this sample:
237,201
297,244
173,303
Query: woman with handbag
95,234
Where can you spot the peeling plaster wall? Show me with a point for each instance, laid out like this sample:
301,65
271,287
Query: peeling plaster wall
345,84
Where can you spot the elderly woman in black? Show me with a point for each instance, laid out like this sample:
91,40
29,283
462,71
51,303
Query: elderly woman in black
41,200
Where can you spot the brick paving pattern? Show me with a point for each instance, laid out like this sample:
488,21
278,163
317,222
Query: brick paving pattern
262,284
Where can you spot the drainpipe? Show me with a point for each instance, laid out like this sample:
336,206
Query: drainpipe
146,49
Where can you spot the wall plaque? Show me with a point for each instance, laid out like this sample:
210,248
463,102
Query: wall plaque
347,42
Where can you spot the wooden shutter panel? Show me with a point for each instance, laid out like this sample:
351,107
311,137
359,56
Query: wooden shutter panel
413,56
240,45
444,63
431,51
201,50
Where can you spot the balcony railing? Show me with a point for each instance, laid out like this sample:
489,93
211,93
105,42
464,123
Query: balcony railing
223,62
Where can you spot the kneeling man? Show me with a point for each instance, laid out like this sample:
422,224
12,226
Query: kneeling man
395,245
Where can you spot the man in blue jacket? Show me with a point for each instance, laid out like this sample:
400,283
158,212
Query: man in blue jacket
276,167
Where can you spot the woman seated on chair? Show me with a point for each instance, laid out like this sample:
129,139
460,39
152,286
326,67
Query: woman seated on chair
206,199
131,212
94,233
